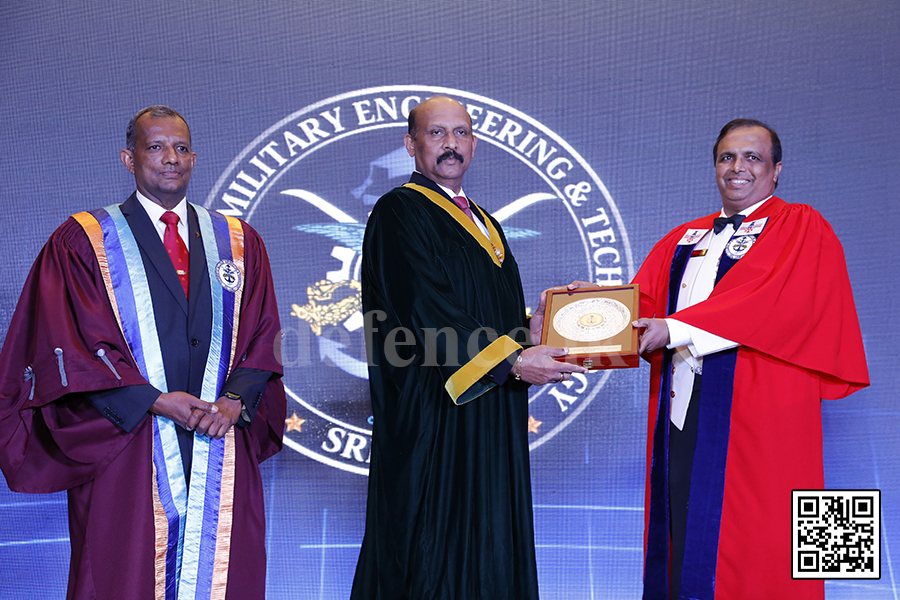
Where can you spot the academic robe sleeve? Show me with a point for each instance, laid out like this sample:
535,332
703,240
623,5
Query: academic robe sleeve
51,438
419,287
794,300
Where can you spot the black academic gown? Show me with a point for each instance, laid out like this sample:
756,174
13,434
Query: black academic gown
449,512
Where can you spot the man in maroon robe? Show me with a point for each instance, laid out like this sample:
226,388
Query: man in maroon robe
82,407
755,302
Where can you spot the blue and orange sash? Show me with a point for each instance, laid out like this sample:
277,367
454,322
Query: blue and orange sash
192,525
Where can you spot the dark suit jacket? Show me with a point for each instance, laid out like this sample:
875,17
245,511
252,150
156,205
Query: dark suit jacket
183,328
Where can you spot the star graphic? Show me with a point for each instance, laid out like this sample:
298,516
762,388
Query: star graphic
533,424
295,423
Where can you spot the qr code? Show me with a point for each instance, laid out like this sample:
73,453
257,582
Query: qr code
836,534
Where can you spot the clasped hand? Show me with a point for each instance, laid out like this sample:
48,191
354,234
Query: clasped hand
193,413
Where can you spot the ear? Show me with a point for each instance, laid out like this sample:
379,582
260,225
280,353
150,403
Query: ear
474,143
193,160
777,171
410,145
127,157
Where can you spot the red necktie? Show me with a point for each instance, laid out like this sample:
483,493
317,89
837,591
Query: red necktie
461,202
176,248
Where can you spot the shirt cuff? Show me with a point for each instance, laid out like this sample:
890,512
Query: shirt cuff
697,341
679,334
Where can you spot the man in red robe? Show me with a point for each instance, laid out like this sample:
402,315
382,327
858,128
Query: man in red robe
754,302
140,374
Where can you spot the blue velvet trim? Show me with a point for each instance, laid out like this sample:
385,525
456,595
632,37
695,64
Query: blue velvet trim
701,546
656,561
725,263
707,475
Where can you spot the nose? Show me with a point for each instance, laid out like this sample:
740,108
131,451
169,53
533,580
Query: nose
739,164
169,155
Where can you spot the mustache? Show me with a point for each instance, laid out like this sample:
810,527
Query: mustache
450,154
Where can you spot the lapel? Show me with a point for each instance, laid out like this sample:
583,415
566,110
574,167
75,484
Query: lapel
152,248
679,263
198,273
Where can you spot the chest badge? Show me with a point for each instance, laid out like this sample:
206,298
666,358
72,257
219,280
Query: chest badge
738,246
229,275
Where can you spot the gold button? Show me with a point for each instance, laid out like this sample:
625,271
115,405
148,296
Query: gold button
683,285
673,394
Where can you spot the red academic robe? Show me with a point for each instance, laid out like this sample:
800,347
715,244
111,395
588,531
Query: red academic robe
789,305
53,439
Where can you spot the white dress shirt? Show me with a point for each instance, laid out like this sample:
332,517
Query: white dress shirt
155,211
690,343
452,194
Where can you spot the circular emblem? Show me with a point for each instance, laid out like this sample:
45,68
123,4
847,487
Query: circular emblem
591,320
307,185
739,246
229,275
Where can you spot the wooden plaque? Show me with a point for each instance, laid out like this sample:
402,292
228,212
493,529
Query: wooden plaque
595,325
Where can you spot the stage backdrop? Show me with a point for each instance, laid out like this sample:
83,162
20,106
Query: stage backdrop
596,121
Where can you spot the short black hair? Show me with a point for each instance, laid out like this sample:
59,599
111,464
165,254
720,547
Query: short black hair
155,112
737,123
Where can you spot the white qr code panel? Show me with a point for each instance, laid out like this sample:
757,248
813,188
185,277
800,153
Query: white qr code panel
836,534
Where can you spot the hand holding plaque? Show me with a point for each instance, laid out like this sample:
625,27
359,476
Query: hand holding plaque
595,325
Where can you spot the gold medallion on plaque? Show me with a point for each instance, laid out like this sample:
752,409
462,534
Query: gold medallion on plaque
594,323
592,319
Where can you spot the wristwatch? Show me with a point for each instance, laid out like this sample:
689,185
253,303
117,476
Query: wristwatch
244,414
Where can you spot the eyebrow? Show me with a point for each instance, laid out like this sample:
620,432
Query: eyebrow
175,143
745,153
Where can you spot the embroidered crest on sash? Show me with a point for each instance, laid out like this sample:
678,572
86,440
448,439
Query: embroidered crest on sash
738,246
229,275
744,238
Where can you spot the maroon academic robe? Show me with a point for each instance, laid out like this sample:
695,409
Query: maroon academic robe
53,439
789,305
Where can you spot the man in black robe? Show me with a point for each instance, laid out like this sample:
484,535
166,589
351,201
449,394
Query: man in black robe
449,512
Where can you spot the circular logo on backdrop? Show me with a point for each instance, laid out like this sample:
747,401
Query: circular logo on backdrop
307,185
